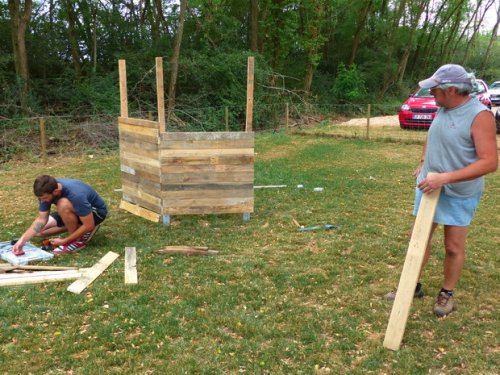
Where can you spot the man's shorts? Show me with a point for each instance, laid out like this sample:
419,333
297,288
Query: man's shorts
98,218
451,210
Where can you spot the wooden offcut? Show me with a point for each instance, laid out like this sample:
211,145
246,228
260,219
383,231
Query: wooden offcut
179,173
187,250
130,265
92,273
411,270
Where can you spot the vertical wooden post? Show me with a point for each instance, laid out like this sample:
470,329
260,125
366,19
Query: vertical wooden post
160,94
43,140
250,81
122,69
226,117
411,270
368,110
286,118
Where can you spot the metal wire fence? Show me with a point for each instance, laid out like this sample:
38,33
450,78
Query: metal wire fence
41,137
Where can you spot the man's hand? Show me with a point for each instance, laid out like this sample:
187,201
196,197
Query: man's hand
17,249
57,241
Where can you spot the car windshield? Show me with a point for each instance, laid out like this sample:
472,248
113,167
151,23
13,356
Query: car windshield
423,93
478,88
495,85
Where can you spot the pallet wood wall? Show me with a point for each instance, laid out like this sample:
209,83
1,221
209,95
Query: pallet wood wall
177,173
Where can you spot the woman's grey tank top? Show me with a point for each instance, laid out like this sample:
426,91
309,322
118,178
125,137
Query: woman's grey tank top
450,147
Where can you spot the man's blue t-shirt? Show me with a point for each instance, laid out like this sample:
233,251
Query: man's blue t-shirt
82,196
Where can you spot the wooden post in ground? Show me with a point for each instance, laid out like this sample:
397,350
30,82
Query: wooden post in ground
160,94
250,82
43,140
122,70
286,118
411,270
368,110
226,117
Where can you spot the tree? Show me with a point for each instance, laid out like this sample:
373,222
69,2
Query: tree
174,62
20,17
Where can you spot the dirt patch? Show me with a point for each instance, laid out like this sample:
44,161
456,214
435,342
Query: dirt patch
374,121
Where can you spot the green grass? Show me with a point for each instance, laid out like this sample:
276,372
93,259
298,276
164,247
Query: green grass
275,300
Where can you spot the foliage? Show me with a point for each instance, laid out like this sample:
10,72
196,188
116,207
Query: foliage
349,85
275,300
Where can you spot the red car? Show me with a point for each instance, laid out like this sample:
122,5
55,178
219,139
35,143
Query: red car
420,109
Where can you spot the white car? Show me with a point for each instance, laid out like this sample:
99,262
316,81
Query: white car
494,91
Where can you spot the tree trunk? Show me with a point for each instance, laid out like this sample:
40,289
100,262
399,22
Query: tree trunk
490,44
20,19
357,35
174,62
253,25
75,49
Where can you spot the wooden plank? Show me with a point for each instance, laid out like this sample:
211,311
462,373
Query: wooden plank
130,265
148,132
204,187
160,93
142,195
207,177
246,206
122,70
92,273
11,279
205,136
207,168
205,202
206,194
250,87
193,159
411,270
187,250
140,211
138,122
165,153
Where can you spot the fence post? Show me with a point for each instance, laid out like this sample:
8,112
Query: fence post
226,117
43,140
368,121
286,118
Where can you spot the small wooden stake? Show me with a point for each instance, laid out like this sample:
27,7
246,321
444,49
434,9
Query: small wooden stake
411,270
130,266
43,140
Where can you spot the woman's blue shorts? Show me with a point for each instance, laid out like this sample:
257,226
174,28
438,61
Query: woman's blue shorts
451,210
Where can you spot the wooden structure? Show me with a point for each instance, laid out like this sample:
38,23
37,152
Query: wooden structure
176,173
411,270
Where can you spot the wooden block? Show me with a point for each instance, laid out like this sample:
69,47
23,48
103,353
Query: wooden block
411,270
130,266
139,211
92,273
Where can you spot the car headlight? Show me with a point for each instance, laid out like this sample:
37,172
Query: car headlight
405,107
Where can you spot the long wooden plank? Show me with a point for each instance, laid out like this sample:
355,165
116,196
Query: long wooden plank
165,153
411,270
138,122
204,136
207,168
206,194
207,144
130,265
207,177
207,186
92,273
197,159
140,211
247,206
122,72
11,279
139,130
205,202
250,86
160,94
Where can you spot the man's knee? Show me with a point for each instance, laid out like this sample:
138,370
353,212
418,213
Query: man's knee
64,206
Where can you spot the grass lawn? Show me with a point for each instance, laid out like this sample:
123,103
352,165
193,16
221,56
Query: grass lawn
275,300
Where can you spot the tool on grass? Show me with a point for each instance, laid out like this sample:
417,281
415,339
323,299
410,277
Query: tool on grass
325,226
47,245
